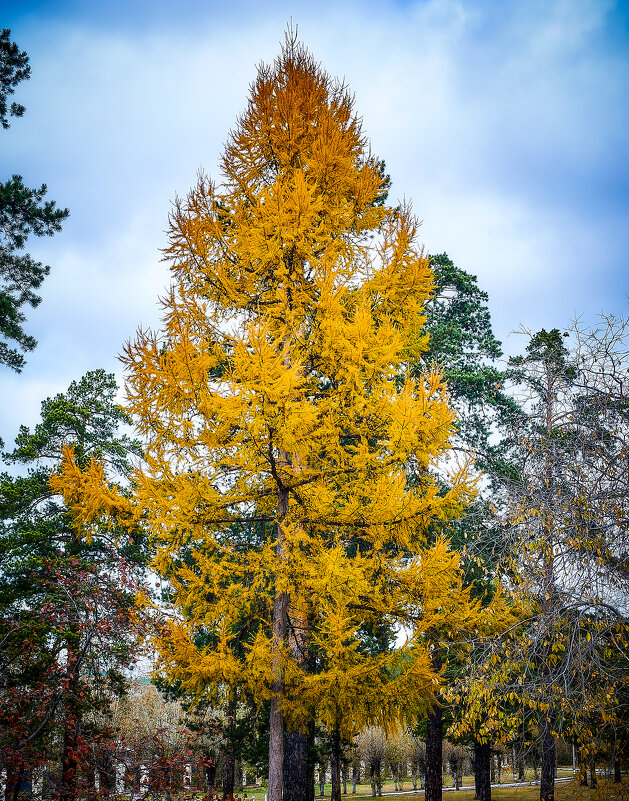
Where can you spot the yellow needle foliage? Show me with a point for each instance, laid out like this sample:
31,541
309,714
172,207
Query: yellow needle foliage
281,422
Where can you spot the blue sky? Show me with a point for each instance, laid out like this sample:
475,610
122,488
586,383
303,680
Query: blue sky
505,123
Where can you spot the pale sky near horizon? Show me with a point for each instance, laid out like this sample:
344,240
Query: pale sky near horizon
504,122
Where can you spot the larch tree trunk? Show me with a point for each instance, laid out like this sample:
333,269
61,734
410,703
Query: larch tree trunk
280,626
335,765
298,771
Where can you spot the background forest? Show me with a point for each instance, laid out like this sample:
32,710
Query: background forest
327,533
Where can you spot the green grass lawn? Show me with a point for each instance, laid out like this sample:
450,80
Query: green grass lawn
564,791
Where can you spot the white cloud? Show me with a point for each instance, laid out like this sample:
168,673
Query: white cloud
505,123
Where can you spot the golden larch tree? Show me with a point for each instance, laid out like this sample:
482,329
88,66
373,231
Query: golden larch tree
281,425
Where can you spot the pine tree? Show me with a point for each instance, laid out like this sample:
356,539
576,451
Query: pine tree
23,211
278,406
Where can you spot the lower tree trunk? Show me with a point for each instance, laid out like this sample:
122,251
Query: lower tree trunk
593,779
354,776
547,784
583,769
482,771
297,777
434,754
335,765
521,775
276,750
322,767
372,779
280,630
617,776
209,771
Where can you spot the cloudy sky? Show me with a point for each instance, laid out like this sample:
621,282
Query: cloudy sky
504,121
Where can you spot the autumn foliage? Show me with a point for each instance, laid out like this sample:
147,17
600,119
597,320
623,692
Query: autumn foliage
291,445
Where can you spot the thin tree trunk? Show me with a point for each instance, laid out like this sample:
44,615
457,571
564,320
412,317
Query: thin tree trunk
229,777
482,771
547,783
322,767
69,753
617,776
354,776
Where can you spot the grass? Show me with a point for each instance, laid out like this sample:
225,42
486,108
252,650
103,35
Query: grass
564,791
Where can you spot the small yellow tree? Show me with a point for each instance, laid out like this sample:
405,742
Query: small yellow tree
280,422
